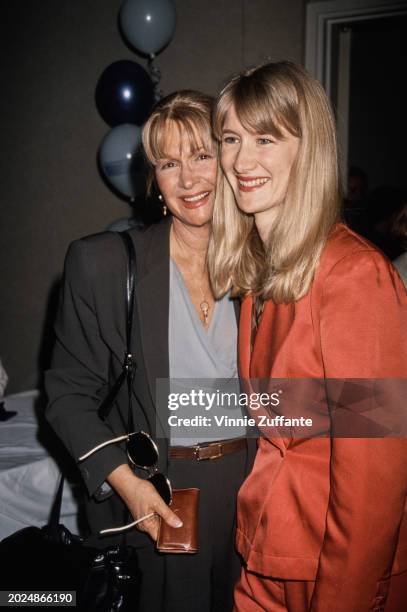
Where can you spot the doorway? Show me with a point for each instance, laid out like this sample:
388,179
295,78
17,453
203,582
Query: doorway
358,51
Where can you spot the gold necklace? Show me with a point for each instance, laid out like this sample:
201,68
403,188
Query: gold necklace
204,305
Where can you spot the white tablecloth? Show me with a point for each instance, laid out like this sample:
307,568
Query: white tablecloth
28,475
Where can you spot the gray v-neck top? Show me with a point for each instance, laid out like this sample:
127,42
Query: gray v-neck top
197,353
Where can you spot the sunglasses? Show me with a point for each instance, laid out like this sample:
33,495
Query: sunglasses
142,452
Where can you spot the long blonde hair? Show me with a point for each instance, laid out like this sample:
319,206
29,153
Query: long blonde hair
266,98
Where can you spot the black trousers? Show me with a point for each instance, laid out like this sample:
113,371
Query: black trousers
202,582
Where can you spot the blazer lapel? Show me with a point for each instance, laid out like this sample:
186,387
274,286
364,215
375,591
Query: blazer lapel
245,357
268,348
245,335
152,300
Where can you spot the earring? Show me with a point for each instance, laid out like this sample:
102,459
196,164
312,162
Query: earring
164,206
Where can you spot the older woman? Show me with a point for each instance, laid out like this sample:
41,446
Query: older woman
321,523
179,331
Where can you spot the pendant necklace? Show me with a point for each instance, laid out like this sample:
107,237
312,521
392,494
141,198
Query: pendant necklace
204,305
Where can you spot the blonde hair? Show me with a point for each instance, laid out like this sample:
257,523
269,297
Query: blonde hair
265,99
190,112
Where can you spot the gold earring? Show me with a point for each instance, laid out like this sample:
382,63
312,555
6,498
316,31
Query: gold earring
164,206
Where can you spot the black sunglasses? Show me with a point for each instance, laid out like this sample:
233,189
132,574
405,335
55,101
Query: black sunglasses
142,452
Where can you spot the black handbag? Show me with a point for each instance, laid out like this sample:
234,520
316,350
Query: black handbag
51,558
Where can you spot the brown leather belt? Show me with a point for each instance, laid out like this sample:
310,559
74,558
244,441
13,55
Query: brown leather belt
213,450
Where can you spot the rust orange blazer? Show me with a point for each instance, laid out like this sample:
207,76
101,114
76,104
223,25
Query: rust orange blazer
330,510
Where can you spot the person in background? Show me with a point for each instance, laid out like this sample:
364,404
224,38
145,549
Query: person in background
321,521
383,204
179,331
355,200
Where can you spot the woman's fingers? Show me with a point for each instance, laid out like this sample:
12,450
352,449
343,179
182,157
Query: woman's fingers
150,526
148,501
142,500
167,514
153,502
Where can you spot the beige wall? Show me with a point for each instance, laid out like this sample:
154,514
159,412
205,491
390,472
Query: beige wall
216,38
51,192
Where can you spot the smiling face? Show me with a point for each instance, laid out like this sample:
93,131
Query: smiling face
186,178
258,167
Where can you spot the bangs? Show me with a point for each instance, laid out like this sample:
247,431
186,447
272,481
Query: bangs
192,130
259,110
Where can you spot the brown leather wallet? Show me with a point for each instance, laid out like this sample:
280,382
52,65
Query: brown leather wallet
185,538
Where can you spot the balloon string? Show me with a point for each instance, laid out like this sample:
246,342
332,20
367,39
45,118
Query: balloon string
155,75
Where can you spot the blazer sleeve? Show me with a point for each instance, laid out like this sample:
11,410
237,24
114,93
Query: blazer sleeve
363,335
78,378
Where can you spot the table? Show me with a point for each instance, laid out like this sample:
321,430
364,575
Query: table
28,475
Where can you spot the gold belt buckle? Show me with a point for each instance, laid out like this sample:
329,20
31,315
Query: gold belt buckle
219,453
201,457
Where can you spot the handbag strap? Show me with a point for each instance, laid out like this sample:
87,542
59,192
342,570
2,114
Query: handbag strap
55,514
128,366
129,363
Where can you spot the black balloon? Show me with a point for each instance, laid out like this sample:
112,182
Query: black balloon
124,93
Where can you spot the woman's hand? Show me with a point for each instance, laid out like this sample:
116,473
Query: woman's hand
142,499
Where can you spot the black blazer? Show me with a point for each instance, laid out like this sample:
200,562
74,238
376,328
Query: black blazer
90,345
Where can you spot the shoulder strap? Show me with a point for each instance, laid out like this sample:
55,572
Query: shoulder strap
129,365
55,514
131,280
